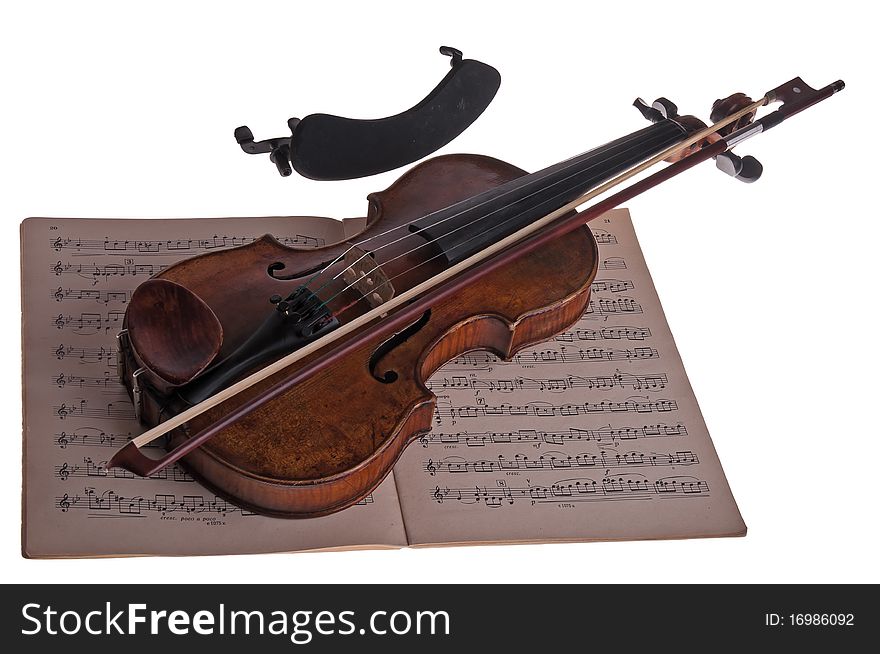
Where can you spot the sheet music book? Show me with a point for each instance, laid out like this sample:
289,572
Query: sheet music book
593,435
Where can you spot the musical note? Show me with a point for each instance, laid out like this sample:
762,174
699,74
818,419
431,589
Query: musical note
546,410
553,460
98,272
94,437
614,263
86,355
89,323
121,410
107,381
90,468
176,247
605,333
607,434
550,356
612,285
617,379
61,294
110,503
583,489
606,306
604,237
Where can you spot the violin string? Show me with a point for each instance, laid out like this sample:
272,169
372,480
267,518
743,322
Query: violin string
447,233
538,177
356,323
430,241
391,230
629,139
363,296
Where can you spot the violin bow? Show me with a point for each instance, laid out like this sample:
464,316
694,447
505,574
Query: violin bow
794,96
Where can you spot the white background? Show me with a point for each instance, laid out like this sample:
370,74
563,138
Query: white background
123,109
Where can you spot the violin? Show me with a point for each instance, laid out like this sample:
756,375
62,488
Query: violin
289,380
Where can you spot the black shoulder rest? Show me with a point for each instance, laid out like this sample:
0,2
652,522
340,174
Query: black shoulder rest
325,147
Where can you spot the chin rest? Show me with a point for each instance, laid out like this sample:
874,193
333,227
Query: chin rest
174,333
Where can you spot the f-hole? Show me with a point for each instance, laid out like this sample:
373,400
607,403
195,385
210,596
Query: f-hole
401,337
274,270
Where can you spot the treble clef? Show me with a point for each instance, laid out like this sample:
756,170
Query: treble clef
60,352
61,380
438,495
58,268
64,503
431,467
58,243
62,411
62,440
59,294
60,321
64,472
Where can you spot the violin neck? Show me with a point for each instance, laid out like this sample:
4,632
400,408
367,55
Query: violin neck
465,228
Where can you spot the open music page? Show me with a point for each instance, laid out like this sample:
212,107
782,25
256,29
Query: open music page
595,435
77,277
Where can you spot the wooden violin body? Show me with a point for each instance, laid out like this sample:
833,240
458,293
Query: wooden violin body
329,441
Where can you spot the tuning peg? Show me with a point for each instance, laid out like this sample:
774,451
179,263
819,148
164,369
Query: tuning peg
647,111
746,169
666,107
660,109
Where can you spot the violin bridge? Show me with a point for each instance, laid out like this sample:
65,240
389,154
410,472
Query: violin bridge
366,276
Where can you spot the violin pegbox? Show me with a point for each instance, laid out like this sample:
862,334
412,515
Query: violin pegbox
746,169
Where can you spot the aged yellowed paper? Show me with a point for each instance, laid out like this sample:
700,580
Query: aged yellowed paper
594,435
77,277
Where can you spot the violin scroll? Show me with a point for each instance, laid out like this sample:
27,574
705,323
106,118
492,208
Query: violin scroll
746,169
727,107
